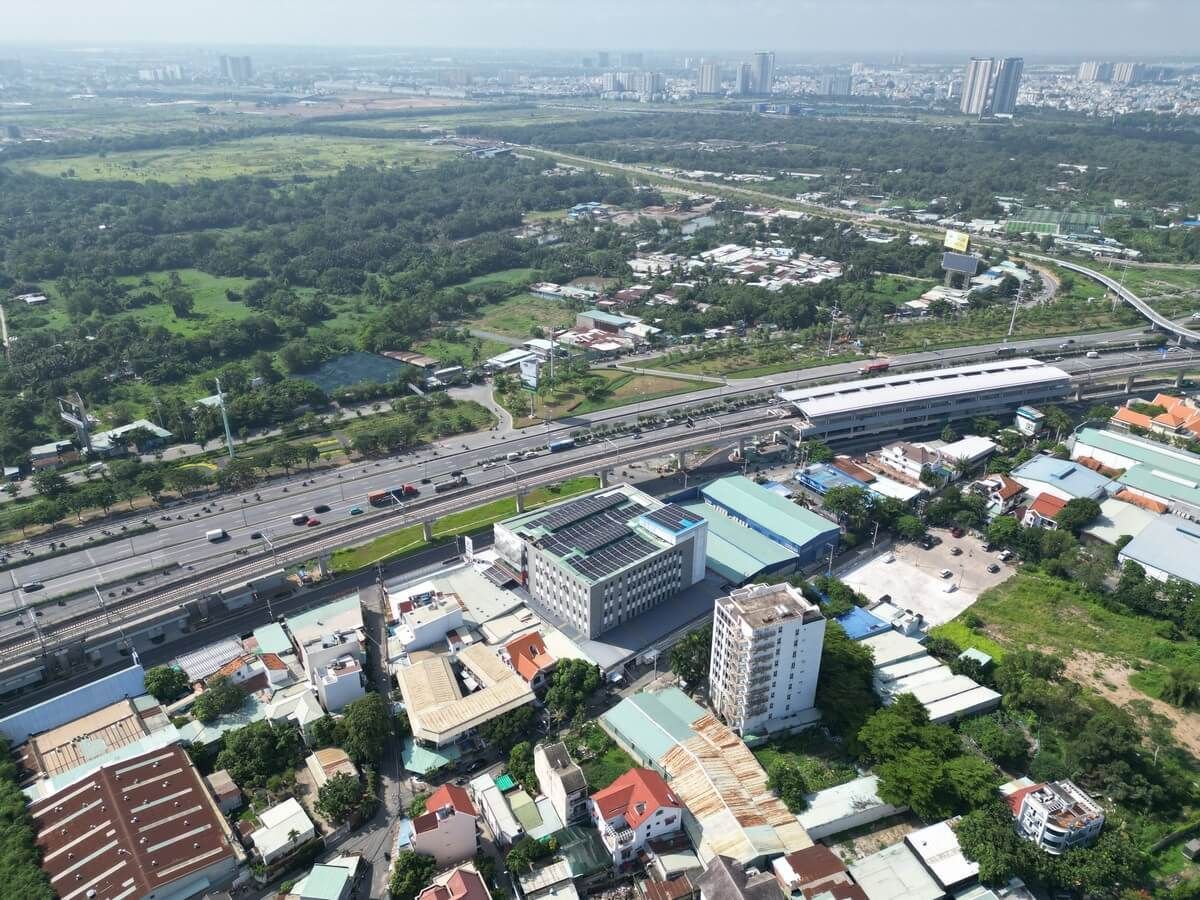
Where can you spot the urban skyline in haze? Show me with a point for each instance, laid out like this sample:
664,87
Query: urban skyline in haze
1066,28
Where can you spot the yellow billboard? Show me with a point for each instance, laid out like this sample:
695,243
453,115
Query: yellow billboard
957,241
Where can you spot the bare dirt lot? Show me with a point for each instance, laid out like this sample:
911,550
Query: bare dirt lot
912,576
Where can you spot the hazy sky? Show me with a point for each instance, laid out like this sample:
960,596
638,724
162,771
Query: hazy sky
956,27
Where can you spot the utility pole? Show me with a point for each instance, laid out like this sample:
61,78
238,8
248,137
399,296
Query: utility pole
832,321
225,418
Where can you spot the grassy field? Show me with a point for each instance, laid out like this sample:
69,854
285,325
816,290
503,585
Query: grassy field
435,121
504,276
411,538
517,316
620,389
603,770
750,362
277,156
460,353
818,758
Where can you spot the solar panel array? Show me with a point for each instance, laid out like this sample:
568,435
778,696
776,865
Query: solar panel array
616,556
565,515
589,535
674,517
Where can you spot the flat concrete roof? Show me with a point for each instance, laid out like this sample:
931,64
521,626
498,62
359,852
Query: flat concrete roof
893,647
895,873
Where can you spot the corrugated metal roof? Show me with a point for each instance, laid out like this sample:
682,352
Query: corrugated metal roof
1169,544
653,723
66,707
735,552
272,639
777,514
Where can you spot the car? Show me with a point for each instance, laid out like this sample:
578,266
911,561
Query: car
946,573
321,508
313,523
300,519
957,532
356,511
956,551
1004,555
256,535
993,568
426,480
930,541
30,586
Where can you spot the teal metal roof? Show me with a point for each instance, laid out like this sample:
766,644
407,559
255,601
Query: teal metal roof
735,552
768,509
315,618
272,639
598,315
423,760
323,883
651,724
1162,471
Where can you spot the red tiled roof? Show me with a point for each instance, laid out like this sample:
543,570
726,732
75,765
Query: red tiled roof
636,796
136,826
1047,506
425,823
1014,799
463,884
1129,496
528,655
450,795
1127,416
272,661
230,667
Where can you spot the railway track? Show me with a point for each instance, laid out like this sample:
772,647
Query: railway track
303,547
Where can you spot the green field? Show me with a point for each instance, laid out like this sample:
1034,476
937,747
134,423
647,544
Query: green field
411,538
279,156
820,760
518,316
619,389
510,277
460,353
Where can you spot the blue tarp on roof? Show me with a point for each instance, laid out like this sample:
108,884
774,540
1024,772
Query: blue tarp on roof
860,624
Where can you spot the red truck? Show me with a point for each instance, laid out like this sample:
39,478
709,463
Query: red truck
391,495
875,367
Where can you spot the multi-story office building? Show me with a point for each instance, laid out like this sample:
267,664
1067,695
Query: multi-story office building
900,404
236,68
710,79
1057,816
1095,70
766,655
836,85
1006,85
763,72
599,560
743,80
977,85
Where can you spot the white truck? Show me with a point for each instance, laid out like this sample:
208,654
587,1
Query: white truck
216,534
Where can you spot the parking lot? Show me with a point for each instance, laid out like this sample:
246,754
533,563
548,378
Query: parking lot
912,576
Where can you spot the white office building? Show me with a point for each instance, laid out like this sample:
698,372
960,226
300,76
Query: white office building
766,655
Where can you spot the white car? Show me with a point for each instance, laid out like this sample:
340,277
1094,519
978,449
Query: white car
946,573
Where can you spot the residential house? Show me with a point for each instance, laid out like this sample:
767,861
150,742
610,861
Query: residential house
285,827
447,830
463,883
816,872
331,644
562,781
1041,512
728,879
910,460
1179,416
326,763
1001,492
1060,478
636,808
332,880
527,655
227,794
341,682
1056,815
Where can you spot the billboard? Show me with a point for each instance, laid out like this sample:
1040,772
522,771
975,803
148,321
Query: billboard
957,241
530,370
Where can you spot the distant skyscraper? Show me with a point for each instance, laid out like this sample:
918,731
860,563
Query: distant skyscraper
710,79
612,82
1006,85
743,80
1129,73
602,59
236,68
1094,70
763,72
836,85
976,85
632,60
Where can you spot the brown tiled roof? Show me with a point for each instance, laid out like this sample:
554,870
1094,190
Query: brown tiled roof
133,827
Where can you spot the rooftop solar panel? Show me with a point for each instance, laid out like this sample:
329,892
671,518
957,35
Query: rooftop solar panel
615,556
673,516
565,515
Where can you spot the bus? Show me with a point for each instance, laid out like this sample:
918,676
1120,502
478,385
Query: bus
561,444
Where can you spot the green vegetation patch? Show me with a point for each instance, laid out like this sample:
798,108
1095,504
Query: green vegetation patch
518,316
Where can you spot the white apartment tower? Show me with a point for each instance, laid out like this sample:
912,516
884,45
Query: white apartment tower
766,655
763,71
710,79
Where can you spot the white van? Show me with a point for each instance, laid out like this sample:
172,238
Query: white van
216,534
512,455
1092,354
300,519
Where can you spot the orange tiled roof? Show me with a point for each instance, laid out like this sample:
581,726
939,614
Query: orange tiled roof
230,667
1047,505
1129,496
1127,416
450,795
272,661
528,655
636,795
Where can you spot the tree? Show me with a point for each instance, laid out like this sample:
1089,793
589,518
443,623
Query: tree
1058,421
572,683
787,780
183,479
257,752
220,697
21,873
503,732
1099,412
1182,688
323,732
526,852
166,683
690,656
844,685
851,505
914,779
986,836
840,598
238,475
1003,531
340,797
520,766
366,726
949,435
411,874
285,456
309,454
1078,513
178,297
910,528
50,484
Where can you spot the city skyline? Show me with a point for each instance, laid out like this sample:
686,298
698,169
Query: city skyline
1071,28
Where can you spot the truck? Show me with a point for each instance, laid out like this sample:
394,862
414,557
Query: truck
216,534
874,368
561,444
392,495
1006,351
455,482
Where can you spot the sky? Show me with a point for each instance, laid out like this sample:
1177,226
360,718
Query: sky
1058,28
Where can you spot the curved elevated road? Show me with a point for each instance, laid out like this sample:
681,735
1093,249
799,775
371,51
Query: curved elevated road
1159,320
